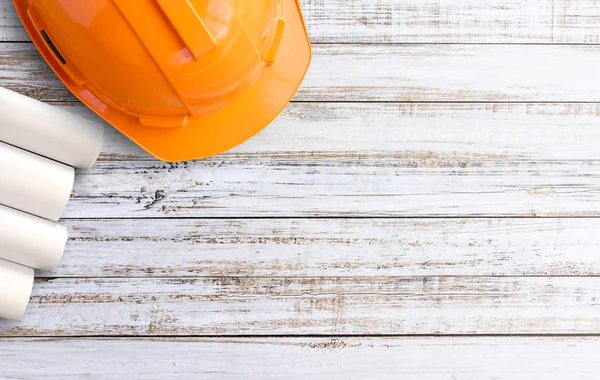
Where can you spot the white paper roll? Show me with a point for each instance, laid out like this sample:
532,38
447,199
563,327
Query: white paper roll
31,241
49,131
16,284
34,184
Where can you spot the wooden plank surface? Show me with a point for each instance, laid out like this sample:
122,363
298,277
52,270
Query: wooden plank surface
441,131
11,28
368,159
401,73
306,358
311,305
321,187
415,117
426,21
330,247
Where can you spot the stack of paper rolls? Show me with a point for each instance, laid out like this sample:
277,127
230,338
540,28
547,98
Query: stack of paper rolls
39,147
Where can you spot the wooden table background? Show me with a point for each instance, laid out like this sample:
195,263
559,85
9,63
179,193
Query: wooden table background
426,208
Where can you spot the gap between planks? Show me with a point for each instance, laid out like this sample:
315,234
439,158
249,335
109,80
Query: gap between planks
228,337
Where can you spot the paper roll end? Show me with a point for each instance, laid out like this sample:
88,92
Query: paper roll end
16,286
99,140
62,236
50,131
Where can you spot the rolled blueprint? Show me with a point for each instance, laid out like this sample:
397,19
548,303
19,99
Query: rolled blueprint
16,284
49,131
34,184
31,241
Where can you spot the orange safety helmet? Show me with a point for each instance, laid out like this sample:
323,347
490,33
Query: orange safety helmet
184,79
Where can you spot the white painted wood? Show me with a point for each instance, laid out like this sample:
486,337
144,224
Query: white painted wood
340,187
303,358
330,247
11,28
311,305
450,21
457,73
430,21
409,131
474,156
452,73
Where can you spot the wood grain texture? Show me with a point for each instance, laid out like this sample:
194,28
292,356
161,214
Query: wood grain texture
325,187
367,159
426,21
401,73
311,305
424,112
11,28
408,131
330,247
325,358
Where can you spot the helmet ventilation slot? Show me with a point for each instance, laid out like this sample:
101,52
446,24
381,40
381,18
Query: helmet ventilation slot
53,47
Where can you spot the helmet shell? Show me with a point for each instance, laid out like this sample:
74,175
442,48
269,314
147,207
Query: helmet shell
185,79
